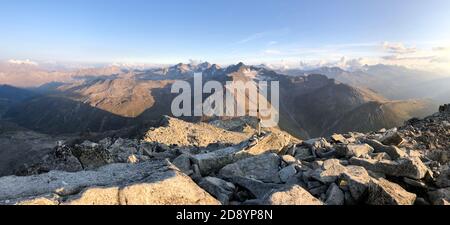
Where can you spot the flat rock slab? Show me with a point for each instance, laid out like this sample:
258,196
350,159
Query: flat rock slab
263,167
291,195
151,182
411,167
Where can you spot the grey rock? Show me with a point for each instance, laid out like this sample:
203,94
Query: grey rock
60,158
313,184
392,137
214,161
330,171
304,154
440,197
415,183
257,188
291,195
334,195
92,155
357,180
411,167
380,156
318,164
318,146
443,180
318,191
287,172
161,183
183,163
393,151
262,167
274,142
384,192
421,201
317,143
338,138
348,199
218,188
354,150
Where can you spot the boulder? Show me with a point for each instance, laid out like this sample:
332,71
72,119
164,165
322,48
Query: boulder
183,163
357,180
443,180
288,159
218,188
257,188
91,155
169,188
334,195
440,197
214,161
318,146
318,191
291,195
151,182
415,183
354,150
304,154
263,167
274,142
61,158
393,151
338,138
287,172
348,199
317,143
47,199
96,196
392,137
384,192
380,156
122,149
411,167
329,172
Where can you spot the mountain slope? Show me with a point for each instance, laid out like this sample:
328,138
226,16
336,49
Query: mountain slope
10,95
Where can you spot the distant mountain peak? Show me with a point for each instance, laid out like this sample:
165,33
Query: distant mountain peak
236,68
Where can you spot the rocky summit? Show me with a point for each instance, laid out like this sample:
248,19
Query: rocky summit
215,163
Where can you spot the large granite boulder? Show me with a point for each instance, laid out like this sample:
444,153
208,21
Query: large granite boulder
153,182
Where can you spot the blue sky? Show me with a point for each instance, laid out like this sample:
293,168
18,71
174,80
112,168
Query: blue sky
222,31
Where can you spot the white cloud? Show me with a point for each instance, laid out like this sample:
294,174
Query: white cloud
431,56
398,48
434,57
23,62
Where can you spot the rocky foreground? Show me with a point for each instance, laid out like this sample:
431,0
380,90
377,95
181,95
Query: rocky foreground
226,163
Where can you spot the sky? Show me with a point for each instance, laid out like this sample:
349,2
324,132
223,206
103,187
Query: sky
275,32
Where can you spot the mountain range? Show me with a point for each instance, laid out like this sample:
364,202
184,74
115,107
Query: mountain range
312,103
393,82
